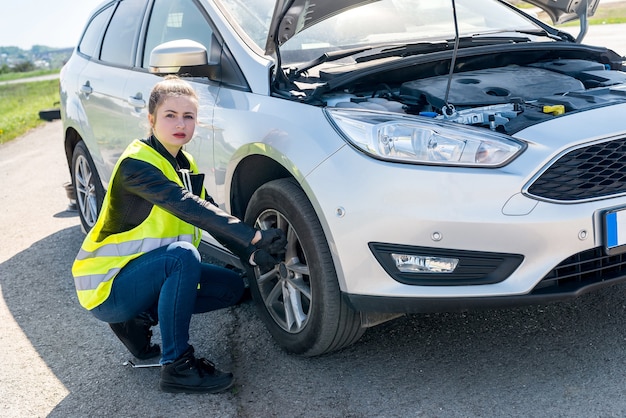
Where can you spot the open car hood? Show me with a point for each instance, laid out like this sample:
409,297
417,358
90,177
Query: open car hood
293,16
561,11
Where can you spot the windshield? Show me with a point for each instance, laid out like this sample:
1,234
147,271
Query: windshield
383,22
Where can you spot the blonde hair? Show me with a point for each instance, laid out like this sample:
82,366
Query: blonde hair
170,86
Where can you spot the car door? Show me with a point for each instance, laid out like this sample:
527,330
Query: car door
102,81
168,21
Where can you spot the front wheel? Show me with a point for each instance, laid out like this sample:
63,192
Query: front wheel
87,185
299,300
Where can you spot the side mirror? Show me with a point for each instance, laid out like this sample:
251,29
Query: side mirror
183,56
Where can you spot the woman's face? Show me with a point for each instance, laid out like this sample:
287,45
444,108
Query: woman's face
174,122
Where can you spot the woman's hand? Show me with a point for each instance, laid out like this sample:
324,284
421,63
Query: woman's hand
272,240
264,260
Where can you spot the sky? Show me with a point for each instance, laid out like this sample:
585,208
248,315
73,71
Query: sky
53,23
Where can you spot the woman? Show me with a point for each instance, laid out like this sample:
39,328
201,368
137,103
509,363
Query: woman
139,265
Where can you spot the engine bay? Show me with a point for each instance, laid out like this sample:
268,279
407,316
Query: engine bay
506,98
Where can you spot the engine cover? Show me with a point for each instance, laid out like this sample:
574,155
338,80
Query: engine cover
492,86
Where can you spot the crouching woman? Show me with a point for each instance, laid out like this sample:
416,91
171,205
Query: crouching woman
139,265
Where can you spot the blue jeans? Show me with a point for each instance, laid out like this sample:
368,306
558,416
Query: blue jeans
173,282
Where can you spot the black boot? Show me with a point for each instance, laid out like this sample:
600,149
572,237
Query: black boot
191,375
136,334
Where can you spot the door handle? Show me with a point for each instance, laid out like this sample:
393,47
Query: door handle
86,88
137,101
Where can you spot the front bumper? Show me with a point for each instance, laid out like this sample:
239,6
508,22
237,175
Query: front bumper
464,210
582,273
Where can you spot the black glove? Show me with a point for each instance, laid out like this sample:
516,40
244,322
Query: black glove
264,260
272,240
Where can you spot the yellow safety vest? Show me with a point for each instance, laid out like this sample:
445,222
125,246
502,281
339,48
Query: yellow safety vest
98,262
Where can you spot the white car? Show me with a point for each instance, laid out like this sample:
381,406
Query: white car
420,155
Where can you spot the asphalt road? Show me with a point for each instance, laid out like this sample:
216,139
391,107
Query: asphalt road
29,79
611,36
559,360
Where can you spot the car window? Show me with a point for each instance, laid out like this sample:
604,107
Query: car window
121,35
173,20
402,21
93,32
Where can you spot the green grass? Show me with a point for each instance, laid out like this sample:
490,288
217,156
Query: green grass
608,13
20,104
603,17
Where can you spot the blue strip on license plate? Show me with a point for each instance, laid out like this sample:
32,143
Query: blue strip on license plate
615,228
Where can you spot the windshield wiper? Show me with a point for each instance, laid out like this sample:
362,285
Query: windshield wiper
555,34
480,40
446,45
405,50
327,57
402,50
382,51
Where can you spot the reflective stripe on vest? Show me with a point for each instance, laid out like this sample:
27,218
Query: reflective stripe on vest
98,262
126,249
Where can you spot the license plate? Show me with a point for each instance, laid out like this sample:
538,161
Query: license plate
615,231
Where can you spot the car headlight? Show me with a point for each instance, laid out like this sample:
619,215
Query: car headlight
421,140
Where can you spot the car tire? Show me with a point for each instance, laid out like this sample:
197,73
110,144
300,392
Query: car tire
299,300
87,186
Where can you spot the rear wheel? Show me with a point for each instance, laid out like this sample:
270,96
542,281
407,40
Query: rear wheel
299,300
87,185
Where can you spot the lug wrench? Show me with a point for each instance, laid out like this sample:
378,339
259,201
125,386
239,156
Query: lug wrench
140,366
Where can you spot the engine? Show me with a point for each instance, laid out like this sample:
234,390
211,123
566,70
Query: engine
506,98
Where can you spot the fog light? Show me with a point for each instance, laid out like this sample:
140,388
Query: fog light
409,263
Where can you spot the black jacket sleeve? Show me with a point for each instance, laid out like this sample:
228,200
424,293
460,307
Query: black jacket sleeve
145,181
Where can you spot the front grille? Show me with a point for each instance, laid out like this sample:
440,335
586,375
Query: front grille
591,172
581,270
